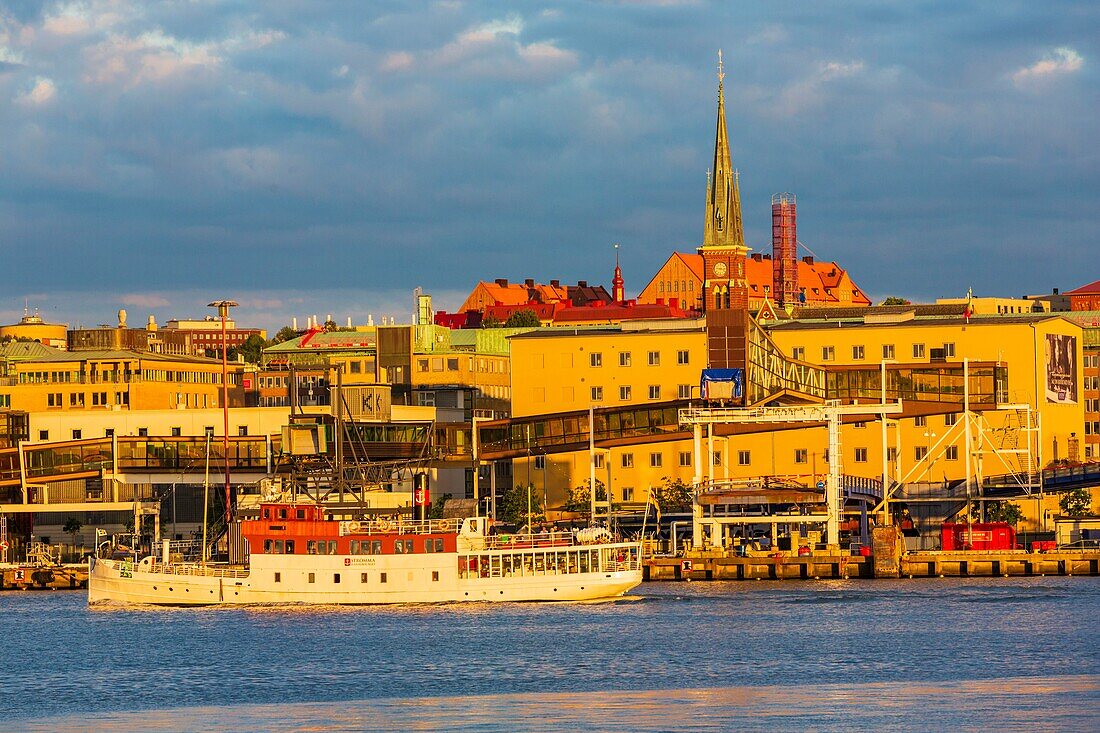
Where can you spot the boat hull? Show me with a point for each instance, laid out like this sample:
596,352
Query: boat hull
332,582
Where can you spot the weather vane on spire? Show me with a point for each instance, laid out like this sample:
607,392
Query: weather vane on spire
721,71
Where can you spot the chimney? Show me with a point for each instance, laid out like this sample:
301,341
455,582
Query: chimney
529,283
349,322
808,260
582,283
502,282
294,323
1055,291
757,257
557,284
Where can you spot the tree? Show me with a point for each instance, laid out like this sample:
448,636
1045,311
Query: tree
72,527
435,510
286,333
673,495
512,505
580,497
1076,503
252,349
894,300
523,319
331,326
491,322
1003,511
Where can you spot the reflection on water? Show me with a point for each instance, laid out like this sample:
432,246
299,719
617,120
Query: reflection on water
1020,654
1032,704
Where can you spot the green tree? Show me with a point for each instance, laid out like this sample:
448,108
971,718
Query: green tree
1076,503
894,300
512,505
286,333
435,510
491,322
252,349
72,528
1003,511
523,319
579,499
331,326
673,495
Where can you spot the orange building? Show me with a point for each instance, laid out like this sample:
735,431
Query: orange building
1085,298
500,292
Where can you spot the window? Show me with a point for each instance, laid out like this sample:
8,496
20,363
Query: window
422,365
717,458
683,391
109,433
382,577
887,351
951,453
801,455
949,350
920,421
655,358
624,358
744,458
918,351
920,452
683,357
654,391
685,458
540,463
597,460
356,367
857,353
76,434
242,430
655,460
828,353
861,455
951,418
177,432
43,434
595,359
624,392
435,576
891,454
362,577
336,577
278,576
597,394
798,353
628,493
859,424
452,364
143,432
312,578
628,460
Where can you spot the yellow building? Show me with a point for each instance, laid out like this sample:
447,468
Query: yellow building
31,327
116,380
561,372
557,370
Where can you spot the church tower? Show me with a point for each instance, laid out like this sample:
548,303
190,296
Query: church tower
724,283
618,285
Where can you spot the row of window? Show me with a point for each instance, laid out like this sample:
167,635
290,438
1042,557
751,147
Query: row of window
356,547
78,434
676,286
79,399
363,577
451,364
1092,428
147,375
653,358
1092,361
859,352
626,393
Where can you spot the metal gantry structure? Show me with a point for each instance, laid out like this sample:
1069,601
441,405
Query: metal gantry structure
831,414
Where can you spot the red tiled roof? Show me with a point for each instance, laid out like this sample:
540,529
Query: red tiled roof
1092,288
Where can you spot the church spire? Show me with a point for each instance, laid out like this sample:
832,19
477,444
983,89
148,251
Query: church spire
618,290
723,226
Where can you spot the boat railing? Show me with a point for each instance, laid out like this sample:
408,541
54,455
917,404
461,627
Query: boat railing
521,541
415,526
195,569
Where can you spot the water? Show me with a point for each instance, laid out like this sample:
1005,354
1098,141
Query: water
1015,654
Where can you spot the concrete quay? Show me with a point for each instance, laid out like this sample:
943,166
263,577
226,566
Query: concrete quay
56,577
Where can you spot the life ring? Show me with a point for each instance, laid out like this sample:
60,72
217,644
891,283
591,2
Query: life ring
384,525
353,527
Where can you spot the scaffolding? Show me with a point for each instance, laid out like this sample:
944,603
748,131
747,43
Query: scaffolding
784,249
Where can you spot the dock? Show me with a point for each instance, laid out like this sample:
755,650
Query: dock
72,576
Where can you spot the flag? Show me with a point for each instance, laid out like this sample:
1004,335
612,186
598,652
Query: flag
656,507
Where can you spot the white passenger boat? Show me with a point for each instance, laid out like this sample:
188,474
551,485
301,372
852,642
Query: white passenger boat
300,555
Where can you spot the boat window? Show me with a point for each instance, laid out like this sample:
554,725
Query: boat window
312,578
301,514
354,547
435,575
336,577
269,546
332,547
311,547
267,513
399,547
282,514
382,578
362,577
278,577
278,547
428,545
290,547
439,544
376,547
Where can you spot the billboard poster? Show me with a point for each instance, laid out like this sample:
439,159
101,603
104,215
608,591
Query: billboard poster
1061,369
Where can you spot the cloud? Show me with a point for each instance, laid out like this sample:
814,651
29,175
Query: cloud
1060,61
494,50
41,93
144,300
10,58
809,92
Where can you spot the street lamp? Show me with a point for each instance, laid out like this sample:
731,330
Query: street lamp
223,307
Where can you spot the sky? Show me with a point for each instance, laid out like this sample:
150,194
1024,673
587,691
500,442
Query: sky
309,158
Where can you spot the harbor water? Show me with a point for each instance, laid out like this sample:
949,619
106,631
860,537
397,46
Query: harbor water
967,654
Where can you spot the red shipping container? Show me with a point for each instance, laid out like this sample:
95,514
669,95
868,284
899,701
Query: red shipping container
978,536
